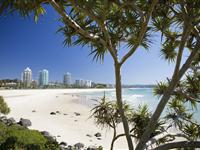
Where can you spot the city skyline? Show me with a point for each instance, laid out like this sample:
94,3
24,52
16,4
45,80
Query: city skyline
145,67
43,77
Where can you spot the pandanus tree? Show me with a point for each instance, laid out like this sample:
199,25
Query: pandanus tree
106,115
178,23
103,25
110,26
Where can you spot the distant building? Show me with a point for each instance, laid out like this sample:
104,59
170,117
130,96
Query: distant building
88,83
79,83
27,77
34,84
67,79
83,83
43,77
110,86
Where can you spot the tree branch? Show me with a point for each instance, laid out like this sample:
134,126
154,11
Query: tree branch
145,21
186,96
132,4
100,22
173,136
182,144
120,135
166,96
69,21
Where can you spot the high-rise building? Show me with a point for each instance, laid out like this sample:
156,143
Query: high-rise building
79,83
43,77
83,83
67,79
27,77
88,83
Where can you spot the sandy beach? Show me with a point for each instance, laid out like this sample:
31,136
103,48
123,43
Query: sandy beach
66,125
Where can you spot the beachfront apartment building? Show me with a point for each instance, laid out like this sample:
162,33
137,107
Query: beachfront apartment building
83,83
43,77
27,77
79,83
88,83
67,79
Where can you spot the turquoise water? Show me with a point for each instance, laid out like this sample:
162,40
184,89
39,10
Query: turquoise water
136,96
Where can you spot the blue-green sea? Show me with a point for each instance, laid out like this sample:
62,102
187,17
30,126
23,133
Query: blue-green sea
136,97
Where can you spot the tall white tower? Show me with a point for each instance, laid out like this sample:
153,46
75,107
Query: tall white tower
67,79
27,77
43,77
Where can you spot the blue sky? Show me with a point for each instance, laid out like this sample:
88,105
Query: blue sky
24,43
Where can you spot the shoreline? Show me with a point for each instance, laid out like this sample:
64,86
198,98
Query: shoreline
71,122
66,126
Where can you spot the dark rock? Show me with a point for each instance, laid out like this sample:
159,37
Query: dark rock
58,136
10,121
58,112
25,122
3,118
79,145
77,114
63,144
69,147
33,111
45,133
98,138
48,135
98,134
65,114
75,120
88,135
92,147
52,113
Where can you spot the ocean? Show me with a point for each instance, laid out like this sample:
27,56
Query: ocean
136,97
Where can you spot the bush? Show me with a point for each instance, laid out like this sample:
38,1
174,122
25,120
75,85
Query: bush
4,109
17,137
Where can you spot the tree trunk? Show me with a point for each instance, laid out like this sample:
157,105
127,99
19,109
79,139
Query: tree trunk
177,75
120,105
182,144
113,140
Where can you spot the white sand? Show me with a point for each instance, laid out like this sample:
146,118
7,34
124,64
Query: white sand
22,102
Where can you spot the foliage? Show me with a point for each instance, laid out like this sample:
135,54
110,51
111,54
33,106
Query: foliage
123,21
140,119
4,109
17,137
106,113
182,105
106,25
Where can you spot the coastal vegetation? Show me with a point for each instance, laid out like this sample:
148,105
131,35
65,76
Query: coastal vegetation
14,136
4,109
17,137
106,115
113,26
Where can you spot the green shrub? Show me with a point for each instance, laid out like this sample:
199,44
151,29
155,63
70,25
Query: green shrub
4,109
16,137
